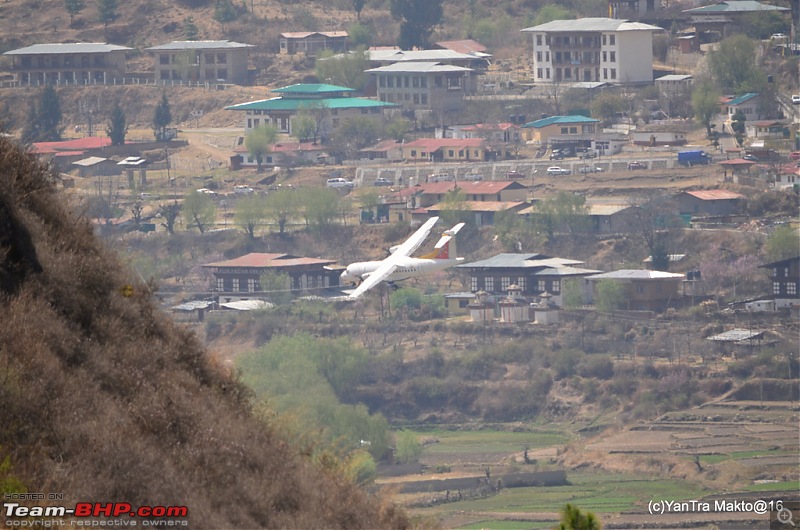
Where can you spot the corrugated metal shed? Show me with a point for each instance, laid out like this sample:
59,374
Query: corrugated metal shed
737,335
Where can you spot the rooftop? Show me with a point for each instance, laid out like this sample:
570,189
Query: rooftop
734,6
312,88
635,274
294,104
304,34
675,77
178,45
264,260
743,98
592,24
715,195
419,67
462,46
395,55
544,122
478,206
511,260
74,47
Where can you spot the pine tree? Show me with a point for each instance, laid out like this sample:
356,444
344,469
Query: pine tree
117,128
107,12
44,122
73,8
419,18
161,119
190,30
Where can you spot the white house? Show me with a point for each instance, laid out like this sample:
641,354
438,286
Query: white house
593,49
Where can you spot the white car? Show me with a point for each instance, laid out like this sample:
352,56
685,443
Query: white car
590,169
339,183
795,99
206,191
778,36
556,170
243,190
472,176
439,177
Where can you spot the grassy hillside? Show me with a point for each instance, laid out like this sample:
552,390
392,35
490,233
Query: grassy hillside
105,400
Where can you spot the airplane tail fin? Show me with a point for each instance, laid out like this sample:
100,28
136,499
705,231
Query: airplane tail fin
446,246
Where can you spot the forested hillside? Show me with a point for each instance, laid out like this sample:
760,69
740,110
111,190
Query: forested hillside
105,400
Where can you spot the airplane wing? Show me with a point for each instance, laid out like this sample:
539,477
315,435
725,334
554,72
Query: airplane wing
390,264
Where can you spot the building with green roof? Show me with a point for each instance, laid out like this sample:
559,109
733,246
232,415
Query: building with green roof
328,105
542,130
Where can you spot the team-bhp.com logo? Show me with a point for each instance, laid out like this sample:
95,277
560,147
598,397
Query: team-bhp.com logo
114,510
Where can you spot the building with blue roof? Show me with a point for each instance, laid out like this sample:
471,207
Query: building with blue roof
748,104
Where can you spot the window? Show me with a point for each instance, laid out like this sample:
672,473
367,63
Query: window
605,73
539,73
567,73
249,123
558,57
556,286
423,98
564,130
251,285
415,81
437,81
604,40
406,81
612,40
413,153
776,287
539,56
538,40
68,60
547,73
541,286
235,284
209,58
613,73
613,56
473,284
505,281
222,73
573,130
220,284
786,272
450,153
521,283
423,82
390,81
381,81
488,284
222,58
791,288
416,99
605,56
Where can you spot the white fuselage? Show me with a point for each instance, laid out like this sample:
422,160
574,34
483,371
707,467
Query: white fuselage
407,267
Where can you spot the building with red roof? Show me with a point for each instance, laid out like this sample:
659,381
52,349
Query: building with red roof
241,277
710,202
446,150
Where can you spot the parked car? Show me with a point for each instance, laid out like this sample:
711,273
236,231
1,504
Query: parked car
637,165
243,190
207,191
380,181
439,177
795,99
472,176
556,170
795,155
590,169
339,183
147,196
751,158
515,175
778,36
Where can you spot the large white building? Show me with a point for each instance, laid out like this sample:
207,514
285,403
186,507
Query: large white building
593,49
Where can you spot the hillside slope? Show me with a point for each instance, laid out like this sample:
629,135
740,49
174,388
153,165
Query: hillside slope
105,400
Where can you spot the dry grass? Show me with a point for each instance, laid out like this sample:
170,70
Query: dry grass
103,398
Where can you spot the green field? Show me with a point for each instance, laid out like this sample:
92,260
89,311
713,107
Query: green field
490,442
738,455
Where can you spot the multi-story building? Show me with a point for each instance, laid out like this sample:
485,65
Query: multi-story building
328,105
312,42
424,85
593,49
201,61
75,63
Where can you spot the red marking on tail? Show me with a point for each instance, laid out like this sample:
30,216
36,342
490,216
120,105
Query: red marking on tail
444,252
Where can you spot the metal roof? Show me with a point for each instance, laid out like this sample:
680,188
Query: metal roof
394,55
463,46
635,274
736,335
73,47
259,260
438,143
734,6
304,34
715,195
178,45
565,271
544,122
193,304
88,162
419,67
247,305
312,88
517,261
592,24
674,77
741,99
479,206
294,104
607,208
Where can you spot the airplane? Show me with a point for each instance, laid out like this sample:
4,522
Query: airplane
399,265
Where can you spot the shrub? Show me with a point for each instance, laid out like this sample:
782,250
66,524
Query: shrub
598,366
